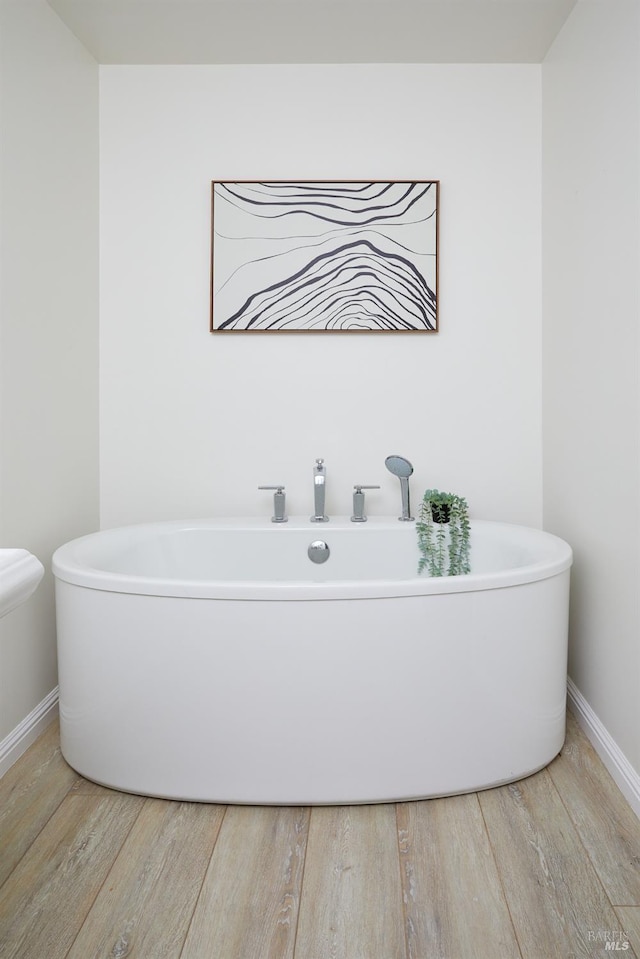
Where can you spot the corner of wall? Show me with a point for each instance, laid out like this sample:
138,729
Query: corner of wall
49,323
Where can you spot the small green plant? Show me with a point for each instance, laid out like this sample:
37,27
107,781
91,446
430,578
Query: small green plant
443,534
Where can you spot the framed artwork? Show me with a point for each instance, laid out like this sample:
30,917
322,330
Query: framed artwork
324,256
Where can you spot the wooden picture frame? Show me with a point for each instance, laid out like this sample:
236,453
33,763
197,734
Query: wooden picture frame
324,256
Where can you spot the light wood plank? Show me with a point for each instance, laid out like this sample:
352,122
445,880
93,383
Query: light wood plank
249,902
454,903
553,893
629,927
87,787
158,875
30,792
608,827
46,898
352,899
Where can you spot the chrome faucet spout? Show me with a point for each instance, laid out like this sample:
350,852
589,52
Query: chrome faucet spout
319,487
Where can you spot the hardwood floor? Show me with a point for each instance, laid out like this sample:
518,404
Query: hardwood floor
546,867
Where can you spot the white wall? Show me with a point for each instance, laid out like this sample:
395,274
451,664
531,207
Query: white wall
591,243
192,423
48,323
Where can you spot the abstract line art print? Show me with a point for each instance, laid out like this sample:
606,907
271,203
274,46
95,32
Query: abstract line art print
324,256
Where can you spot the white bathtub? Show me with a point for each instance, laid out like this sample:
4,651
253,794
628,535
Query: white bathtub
214,661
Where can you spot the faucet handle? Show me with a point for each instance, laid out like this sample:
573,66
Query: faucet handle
278,503
358,502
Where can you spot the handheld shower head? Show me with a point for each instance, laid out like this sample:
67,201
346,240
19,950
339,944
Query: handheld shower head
399,466
403,469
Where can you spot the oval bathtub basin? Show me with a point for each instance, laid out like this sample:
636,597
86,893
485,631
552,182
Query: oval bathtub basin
213,661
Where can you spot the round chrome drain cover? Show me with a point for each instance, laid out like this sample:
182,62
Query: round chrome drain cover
318,551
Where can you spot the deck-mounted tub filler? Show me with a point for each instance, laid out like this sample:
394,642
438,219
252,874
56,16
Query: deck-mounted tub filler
214,661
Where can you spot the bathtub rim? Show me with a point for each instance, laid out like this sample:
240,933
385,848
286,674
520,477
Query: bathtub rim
71,563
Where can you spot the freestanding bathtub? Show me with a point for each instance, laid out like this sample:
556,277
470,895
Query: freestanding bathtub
213,661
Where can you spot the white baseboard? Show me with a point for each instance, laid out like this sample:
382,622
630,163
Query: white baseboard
26,732
621,770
